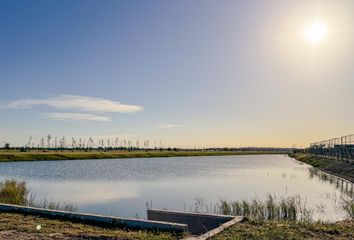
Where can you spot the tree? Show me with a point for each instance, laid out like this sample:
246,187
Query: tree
7,146
48,140
29,143
42,142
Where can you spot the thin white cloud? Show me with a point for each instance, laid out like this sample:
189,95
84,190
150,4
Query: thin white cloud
75,102
173,126
77,117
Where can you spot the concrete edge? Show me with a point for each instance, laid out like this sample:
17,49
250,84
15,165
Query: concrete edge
216,231
211,215
129,223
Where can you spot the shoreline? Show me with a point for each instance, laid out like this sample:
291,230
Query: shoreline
338,168
8,156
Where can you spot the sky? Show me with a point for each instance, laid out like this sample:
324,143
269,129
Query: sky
187,73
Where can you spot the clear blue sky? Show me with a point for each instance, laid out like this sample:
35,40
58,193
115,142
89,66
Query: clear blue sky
191,73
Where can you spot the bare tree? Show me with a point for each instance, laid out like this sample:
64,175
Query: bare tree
73,142
29,143
117,142
90,143
42,142
48,140
62,142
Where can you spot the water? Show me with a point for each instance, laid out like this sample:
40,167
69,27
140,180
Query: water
122,187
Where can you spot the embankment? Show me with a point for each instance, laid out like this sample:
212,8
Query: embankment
343,169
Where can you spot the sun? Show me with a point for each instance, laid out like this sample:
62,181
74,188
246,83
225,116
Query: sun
315,31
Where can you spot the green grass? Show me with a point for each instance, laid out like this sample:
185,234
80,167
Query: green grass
19,226
10,156
287,230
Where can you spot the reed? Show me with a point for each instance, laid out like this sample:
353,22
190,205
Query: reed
17,192
51,204
13,192
291,208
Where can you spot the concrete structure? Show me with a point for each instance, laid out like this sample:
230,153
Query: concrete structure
208,225
216,231
198,223
98,219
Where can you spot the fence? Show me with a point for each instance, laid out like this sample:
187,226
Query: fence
341,148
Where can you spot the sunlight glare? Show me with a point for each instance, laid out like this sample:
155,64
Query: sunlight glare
315,31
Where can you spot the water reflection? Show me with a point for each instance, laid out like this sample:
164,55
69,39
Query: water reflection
123,186
346,187
85,192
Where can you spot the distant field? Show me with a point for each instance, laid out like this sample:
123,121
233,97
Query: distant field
9,156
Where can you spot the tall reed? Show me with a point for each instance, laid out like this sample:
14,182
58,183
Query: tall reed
17,192
13,192
284,208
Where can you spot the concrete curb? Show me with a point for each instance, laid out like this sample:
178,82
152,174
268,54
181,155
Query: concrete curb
216,231
200,225
110,220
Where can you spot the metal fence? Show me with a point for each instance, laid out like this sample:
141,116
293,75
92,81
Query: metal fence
341,148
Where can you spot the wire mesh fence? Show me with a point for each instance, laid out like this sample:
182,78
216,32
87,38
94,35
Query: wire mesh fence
341,148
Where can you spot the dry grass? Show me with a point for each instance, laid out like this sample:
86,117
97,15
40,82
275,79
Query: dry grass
13,192
288,230
18,226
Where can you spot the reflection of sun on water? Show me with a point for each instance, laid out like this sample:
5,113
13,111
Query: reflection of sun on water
315,31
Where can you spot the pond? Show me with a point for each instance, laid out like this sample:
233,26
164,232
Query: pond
124,187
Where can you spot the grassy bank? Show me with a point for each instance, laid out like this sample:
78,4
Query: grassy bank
10,156
343,169
284,230
19,226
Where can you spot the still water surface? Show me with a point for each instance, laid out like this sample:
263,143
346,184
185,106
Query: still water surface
122,187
